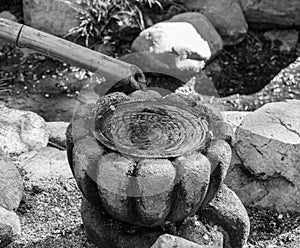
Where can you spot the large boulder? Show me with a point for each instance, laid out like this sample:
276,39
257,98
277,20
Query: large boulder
265,171
10,227
179,47
55,17
11,185
21,131
46,163
271,13
225,15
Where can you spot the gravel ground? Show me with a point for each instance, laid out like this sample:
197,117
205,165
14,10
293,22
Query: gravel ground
50,217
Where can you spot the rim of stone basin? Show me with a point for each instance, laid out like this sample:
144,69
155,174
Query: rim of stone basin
150,129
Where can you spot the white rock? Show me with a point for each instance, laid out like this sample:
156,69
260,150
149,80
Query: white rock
170,241
179,47
163,37
46,163
21,131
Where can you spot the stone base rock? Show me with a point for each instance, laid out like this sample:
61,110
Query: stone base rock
266,170
227,210
106,232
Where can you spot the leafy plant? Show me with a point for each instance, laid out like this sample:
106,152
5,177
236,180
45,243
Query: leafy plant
99,19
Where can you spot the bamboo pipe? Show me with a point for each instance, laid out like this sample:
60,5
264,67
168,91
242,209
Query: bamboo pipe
112,69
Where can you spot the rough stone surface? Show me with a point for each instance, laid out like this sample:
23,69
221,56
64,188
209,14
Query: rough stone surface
10,227
21,131
86,153
194,182
265,171
219,153
170,241
227,210
55,17
225,15
107,232
271,13
161,49
45,163
11,185
287,38
57,132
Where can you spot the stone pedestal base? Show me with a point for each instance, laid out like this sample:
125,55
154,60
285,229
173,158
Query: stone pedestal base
106,232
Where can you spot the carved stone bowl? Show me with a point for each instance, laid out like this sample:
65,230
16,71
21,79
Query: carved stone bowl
147,159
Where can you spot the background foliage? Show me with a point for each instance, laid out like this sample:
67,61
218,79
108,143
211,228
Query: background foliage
100,20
